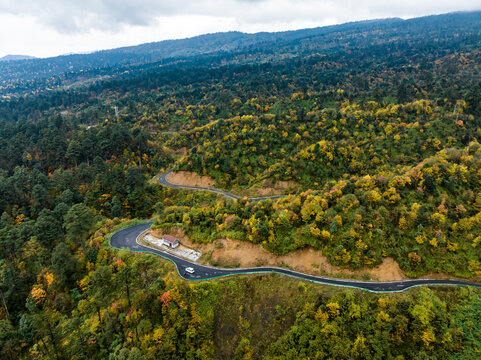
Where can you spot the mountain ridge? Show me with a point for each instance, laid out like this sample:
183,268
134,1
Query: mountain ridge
11,57
218,49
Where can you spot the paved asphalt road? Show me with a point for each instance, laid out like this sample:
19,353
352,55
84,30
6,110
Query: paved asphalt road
163,180
127,238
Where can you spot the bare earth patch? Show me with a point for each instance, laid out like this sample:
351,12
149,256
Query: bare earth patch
270,189
187,178
228,252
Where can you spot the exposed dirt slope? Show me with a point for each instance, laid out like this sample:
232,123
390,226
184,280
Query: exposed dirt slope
228,252
270,188
187,178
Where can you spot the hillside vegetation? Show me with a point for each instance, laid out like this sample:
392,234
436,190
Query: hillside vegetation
376,127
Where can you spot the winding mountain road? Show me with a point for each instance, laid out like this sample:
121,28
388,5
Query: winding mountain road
127,238
163,180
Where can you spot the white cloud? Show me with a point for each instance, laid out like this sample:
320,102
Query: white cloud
50,27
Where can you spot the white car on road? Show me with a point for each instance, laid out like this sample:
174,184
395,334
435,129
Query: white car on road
190,270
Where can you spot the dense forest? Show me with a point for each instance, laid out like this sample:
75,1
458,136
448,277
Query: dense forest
375,125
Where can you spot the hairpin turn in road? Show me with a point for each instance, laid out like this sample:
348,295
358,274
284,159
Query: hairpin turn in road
163,180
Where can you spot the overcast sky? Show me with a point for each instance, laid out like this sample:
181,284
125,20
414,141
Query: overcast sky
52,27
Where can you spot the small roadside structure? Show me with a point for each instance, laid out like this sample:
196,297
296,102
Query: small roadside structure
171,245
170,241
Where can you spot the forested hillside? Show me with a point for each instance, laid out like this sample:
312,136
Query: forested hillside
374,125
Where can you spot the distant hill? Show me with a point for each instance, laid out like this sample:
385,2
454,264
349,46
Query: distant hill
461,30
16,57
174,50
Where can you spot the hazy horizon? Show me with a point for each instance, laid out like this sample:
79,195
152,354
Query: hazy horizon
64,27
